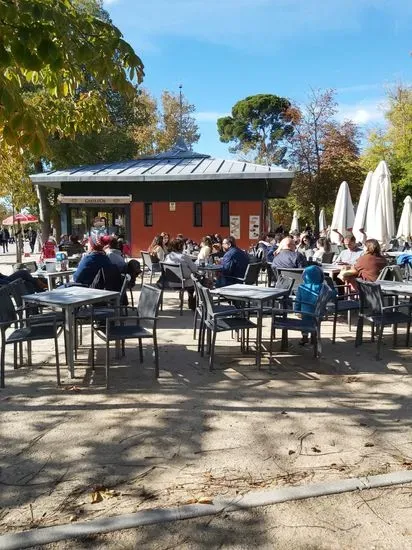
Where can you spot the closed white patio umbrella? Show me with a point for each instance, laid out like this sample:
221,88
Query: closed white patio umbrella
343,214
322,220
295,222
360,217
380,220
405,223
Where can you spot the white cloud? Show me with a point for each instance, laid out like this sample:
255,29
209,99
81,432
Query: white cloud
209,116
254,24
110,2
363,112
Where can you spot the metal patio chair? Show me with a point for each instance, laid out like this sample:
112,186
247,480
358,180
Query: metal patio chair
149,265
25,331
123,327
380,316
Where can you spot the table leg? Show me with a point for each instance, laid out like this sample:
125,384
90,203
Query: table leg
49,283
259,336
69,331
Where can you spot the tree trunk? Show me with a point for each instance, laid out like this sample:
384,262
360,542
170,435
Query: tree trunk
44,206
317,212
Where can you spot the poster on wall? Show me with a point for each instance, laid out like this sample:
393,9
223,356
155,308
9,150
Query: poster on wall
254,226
235,226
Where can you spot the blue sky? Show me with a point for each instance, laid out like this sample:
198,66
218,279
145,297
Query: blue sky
224,50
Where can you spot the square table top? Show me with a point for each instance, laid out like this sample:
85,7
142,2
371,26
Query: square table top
249,292
43,273
71,296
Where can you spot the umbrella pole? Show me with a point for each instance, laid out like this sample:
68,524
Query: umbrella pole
19,244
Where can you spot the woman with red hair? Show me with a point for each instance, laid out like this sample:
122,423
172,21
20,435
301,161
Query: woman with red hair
92,262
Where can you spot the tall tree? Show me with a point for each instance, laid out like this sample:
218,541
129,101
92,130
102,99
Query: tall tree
394,144
56,44
259,126
323,154
176,119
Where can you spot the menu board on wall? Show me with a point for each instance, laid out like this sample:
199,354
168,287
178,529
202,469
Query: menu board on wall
254,226
235,226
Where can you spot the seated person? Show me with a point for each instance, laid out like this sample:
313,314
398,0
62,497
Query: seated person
113,253
322,247
205,250
217,251
368,266
49,249
92,262
74,247
157,254
234,263
351,252
287,257
33,284
307,295
176,256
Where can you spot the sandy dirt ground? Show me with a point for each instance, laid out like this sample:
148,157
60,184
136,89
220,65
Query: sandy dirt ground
150,443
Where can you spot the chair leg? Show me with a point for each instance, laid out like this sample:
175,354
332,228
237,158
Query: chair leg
29,353
284,344
131,297
156,355
380,339
140,350
350,320
56,351
92,345
15,356
359,332
2,358
408,330
202,345
107,364
373,332
181,297
395,336
212,350
335,320
151,276
195,324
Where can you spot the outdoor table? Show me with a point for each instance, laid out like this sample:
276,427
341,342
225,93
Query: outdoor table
248,293
68,299
331,269
393,254
396,288
51,276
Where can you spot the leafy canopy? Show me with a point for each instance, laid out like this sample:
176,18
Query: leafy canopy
259,124
55,44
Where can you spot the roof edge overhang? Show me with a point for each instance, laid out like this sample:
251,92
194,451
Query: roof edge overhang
55,181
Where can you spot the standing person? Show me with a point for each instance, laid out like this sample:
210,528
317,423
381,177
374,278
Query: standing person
32,238
2,240
234,263
6,233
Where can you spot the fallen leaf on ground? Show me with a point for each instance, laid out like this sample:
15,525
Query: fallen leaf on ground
205,500
292,452
72,388
96,496
368,444
316,450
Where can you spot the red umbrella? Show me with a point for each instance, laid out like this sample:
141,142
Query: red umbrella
20,218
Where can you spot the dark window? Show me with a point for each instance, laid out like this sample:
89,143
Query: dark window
224,214
197,214
148,214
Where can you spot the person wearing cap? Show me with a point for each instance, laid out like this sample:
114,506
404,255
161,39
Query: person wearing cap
92,262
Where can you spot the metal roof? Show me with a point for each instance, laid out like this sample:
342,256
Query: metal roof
177,164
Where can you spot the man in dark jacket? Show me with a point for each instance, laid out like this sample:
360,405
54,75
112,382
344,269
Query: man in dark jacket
287,257
234,263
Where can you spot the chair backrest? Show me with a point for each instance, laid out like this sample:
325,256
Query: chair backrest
7,310
108,278
285,283
17,289
325,295
327,257
396,273
147,260
149,302
30,266
172,273
370,298
133,269
295,274
252,273
198,292
207,301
